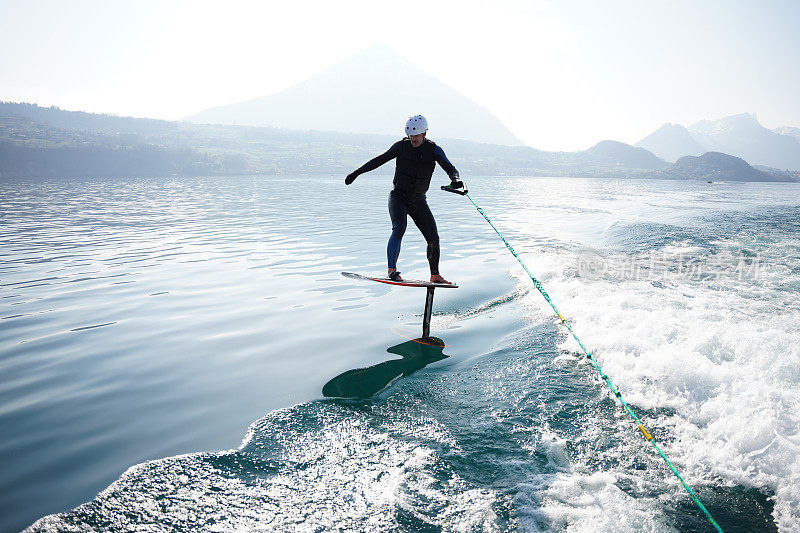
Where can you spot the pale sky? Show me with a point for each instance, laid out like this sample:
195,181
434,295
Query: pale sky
561,75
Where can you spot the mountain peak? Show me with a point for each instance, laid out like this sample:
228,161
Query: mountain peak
371,91
375,56
740,135
617,153
788,130
718,166
731,122
379,50
670,142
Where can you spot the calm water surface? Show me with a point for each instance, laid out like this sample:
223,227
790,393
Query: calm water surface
157,323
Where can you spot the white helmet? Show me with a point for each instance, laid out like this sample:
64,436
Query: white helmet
416,125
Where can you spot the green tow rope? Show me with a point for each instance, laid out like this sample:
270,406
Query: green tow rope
602,374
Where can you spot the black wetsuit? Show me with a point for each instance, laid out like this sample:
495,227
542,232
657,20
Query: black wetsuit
412,177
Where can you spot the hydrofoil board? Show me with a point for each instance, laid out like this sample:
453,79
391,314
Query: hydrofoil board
404,283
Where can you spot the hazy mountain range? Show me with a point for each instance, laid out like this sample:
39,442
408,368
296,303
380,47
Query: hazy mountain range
373,91
47,141
738,135
338,119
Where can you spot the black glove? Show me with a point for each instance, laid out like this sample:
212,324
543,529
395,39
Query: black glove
350,178
456,183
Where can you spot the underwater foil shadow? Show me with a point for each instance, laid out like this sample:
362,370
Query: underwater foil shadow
365,382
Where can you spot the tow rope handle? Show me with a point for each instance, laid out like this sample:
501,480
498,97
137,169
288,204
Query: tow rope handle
461,191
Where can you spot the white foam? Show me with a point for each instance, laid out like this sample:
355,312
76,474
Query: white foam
584,504
318,466
724,354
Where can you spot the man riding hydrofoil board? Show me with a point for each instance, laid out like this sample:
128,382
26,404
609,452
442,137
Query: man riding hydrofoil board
416,159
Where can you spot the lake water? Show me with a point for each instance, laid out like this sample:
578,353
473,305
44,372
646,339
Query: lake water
164,344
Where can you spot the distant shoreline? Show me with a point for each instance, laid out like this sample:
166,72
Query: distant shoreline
50,142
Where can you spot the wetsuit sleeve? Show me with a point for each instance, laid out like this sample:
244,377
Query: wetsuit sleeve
374,163
445,163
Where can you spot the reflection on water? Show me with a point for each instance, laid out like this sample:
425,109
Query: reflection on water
364,382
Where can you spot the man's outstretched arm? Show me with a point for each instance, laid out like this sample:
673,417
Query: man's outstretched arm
374,163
